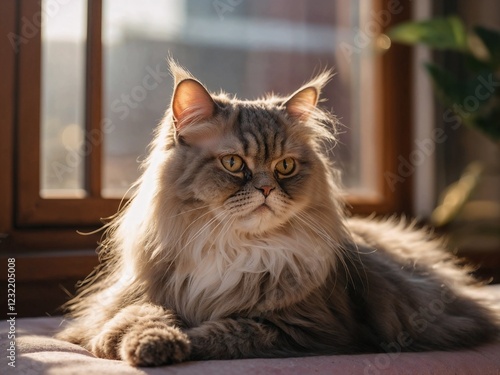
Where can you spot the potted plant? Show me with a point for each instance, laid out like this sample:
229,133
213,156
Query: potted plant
473,98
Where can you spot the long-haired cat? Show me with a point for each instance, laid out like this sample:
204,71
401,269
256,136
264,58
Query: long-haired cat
236,245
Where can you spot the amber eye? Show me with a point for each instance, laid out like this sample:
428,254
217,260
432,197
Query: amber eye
233,163
286,166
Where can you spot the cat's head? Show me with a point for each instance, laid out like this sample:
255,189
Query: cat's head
253,164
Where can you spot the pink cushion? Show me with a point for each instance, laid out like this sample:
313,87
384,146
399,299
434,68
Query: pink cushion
38,353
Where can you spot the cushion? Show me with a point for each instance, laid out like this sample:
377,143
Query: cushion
35,351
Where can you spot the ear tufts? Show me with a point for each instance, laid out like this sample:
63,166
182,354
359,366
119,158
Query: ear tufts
178,72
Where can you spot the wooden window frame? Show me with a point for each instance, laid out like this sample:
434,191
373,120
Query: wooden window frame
40,232
32,209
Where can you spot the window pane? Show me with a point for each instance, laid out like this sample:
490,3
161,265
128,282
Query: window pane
63,35
243,47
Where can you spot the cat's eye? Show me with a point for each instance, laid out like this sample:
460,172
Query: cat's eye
233,163
286,166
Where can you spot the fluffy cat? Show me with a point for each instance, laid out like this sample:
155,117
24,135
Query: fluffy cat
236,245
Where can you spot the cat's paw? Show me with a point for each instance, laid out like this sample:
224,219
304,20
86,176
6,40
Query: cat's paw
155,346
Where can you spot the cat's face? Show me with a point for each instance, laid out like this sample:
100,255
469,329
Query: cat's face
255,175
251,163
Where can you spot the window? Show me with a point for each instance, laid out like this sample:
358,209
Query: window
86,83
100,82
248,48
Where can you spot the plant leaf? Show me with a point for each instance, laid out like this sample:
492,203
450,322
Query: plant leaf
475,65
491,40
449,89
456,195
489,123
439,33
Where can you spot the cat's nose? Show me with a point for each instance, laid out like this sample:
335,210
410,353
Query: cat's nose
265,190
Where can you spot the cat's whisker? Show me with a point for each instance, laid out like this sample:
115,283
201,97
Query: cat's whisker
203,228
194,222
332,243
345,252
190,210
305,226
225,228
224,233
167,255
226,225
319,230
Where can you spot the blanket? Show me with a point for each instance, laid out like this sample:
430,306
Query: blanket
28,348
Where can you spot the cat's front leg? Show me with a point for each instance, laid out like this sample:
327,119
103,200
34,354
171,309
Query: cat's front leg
236,338
142,335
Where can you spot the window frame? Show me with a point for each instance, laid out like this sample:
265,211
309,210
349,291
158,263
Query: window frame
43,231
32,208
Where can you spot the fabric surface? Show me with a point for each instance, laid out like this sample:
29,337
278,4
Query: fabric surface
37,352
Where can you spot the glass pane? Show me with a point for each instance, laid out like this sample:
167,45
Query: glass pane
63,35
246,48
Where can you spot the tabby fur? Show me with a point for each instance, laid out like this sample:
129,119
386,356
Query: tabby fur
208,263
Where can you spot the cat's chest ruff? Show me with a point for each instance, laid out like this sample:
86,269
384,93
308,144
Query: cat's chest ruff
245,277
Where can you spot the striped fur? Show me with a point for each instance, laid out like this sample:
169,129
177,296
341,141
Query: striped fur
208,263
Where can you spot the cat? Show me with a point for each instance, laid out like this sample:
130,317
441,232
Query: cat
236,244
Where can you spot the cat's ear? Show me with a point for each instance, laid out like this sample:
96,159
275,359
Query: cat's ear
302,103
191,103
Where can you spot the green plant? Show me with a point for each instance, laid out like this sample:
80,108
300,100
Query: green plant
479,50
